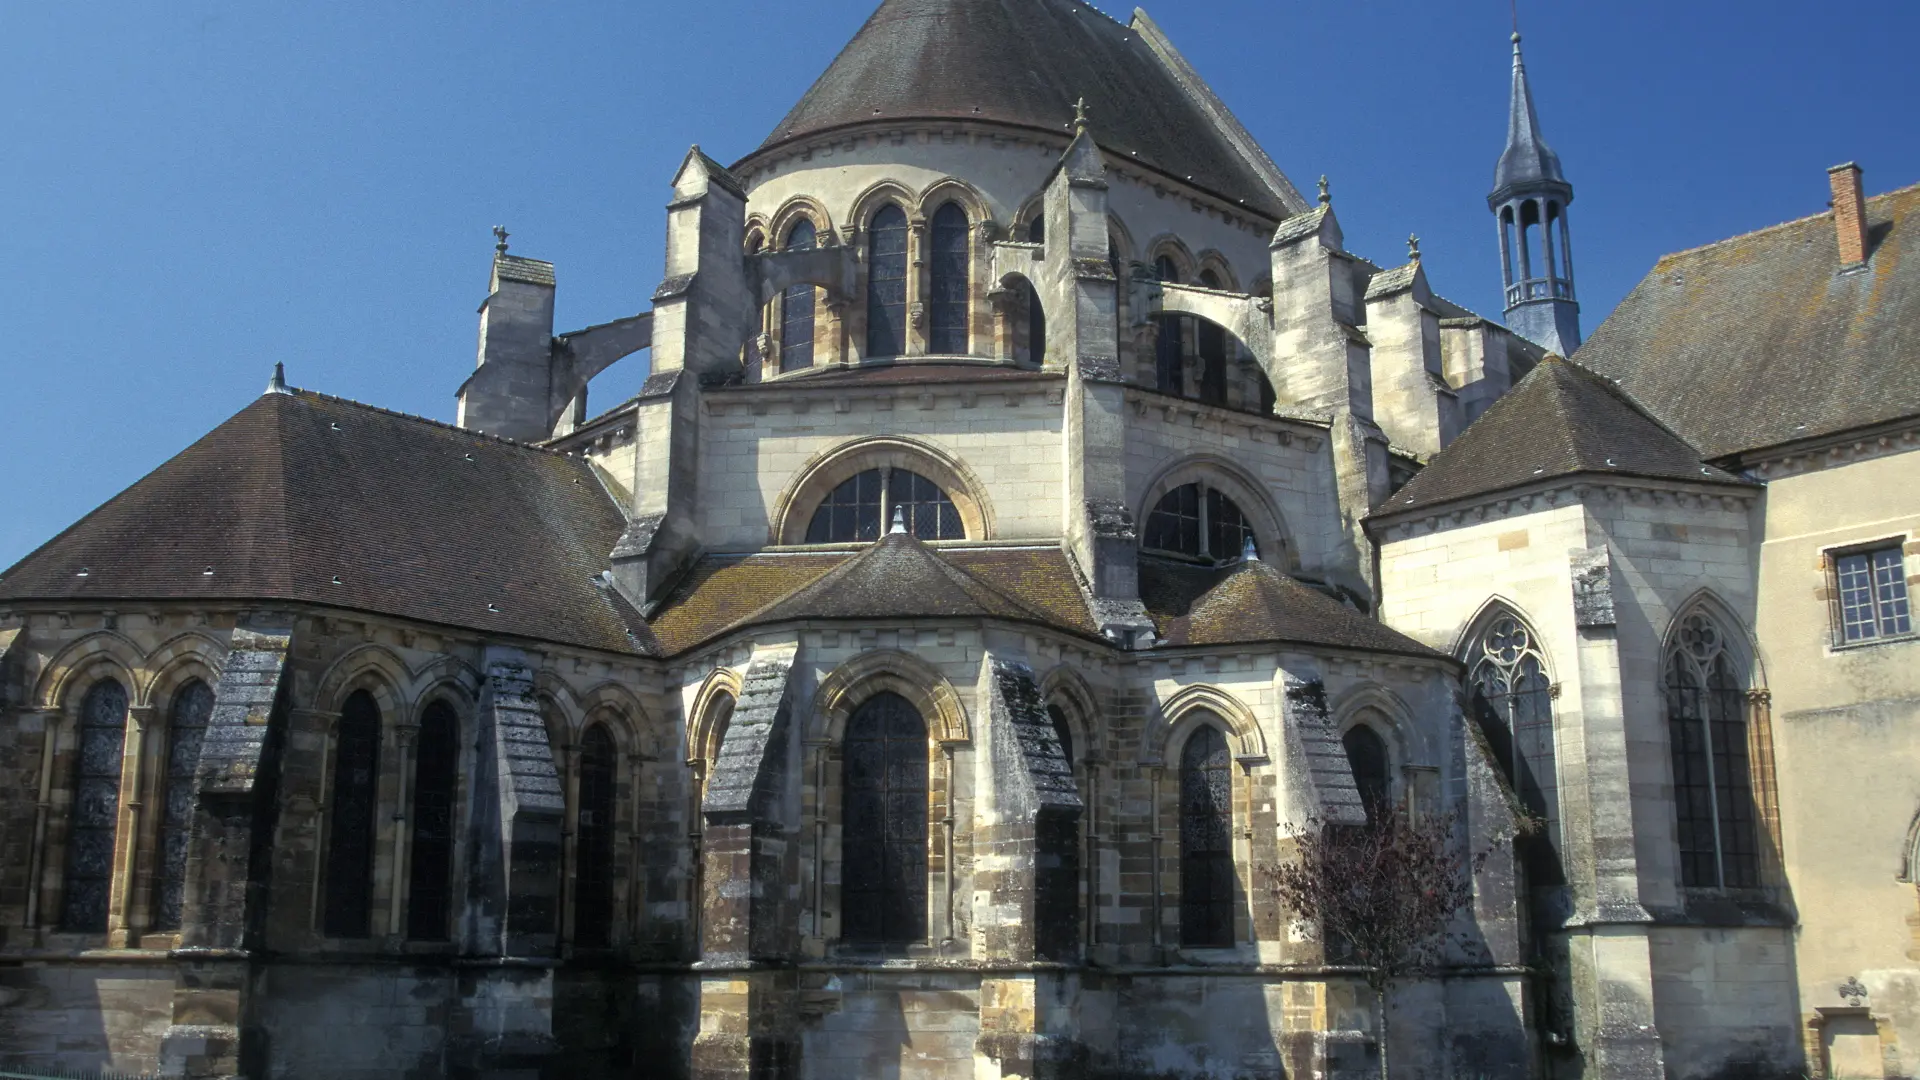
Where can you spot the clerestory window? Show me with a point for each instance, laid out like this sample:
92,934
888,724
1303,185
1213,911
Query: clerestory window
861,508
797,307
1198,521
947,282
887,283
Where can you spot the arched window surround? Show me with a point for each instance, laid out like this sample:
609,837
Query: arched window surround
889,293
1518,667
1270,531
99,720
1733,848
818,478
799,304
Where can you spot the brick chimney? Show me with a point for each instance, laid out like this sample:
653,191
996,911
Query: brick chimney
1849,213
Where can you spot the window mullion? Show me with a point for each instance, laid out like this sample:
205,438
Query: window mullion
1703,704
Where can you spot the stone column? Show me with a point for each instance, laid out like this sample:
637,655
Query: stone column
917,285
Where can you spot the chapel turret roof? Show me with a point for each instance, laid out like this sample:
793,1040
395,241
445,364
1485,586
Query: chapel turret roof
1527,160
1026,63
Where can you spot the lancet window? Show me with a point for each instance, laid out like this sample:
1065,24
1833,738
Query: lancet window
947,282
96,808
593,841
862,507
1513,703
1198,521
436,769
887,283
1712,781
187,720
883,879
1036,312
1206,840
1367,758
797,307
356,763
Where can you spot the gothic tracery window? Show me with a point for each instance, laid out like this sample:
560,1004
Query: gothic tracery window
862,508
593,841
436,768
887,283
95,818
186,728
356,762
1513,703
1372,773
1712,781
947,282
883,879
1198,521
797,307
1206,840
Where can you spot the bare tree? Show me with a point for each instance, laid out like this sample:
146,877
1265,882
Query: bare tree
1380,895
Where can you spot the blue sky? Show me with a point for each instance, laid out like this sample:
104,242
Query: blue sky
193,190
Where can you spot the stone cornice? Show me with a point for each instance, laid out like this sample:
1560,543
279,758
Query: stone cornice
1813,455
1578,489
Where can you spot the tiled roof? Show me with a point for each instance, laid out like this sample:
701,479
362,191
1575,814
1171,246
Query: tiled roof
722,590
1560,420
1255,602
1762,340
1026,62
410,517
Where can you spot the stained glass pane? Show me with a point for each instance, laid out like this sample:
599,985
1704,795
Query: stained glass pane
95,816
947,282
850,513
1206,841
186,730
1227,528
887,283
884,824
593,850
430,882
1513,705
356,763
930,515
797,308
1174,524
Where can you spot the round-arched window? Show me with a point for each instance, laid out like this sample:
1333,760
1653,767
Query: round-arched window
1199,522
859,509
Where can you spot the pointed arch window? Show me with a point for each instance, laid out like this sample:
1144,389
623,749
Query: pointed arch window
1513,703
797,307
887,283
430,880
1712,779
1198,521
947,282
1063,732
1206,840
95,820
593,839
1036,313
883,879
187,721
356,763
862,506
1372,773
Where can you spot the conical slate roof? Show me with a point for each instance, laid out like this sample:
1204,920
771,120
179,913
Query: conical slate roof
1560,420
306,498
1527,161
1026,63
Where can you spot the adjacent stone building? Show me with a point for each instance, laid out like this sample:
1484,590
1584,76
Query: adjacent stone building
1033,513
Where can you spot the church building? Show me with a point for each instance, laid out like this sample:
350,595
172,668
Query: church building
1033,516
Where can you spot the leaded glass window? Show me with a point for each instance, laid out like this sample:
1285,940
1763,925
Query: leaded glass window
1513,703
1206,841
356,763
1367,758
1712,780
1036,312
95,819
863,506
593,841
1198,521
1169,376
887,283
797,307
883,879
187,722
436,768
1872,587
947,282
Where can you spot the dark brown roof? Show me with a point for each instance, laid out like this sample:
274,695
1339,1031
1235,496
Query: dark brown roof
1761,340
416,519
1255,602
1025,63
1560,420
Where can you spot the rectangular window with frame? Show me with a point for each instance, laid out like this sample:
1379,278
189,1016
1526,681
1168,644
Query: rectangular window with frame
1869,589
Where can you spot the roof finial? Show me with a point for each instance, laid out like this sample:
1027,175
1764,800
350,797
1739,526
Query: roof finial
1326,191
278,384
1513,6
1080,117
899,522
500,239
1413,248
1248,552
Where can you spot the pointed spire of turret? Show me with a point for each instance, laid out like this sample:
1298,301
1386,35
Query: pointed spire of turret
1530,198
1527,158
